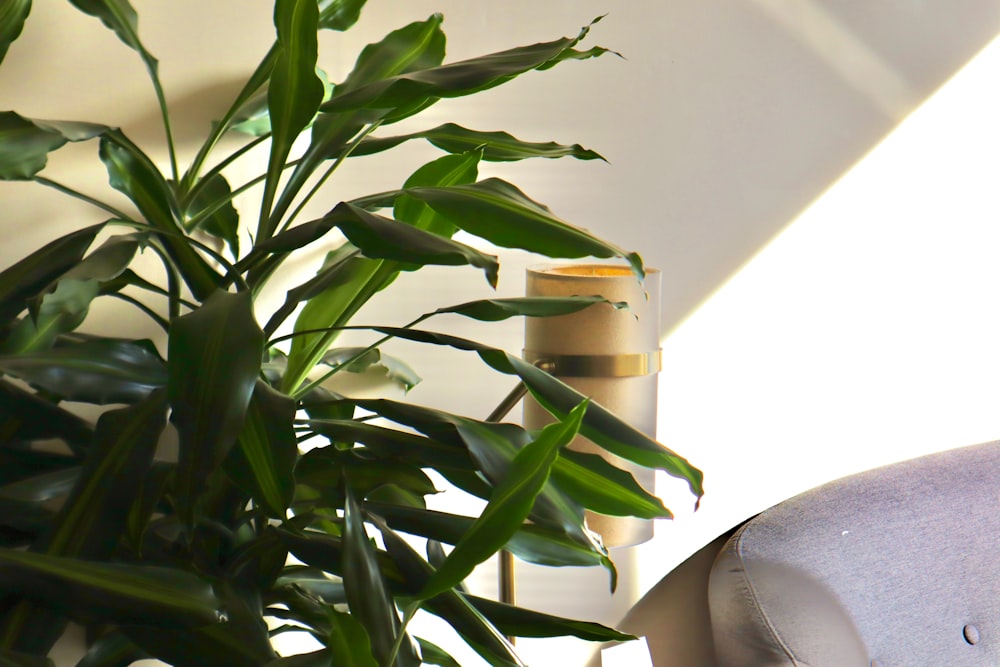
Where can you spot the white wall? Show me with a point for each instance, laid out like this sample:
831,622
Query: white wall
865,333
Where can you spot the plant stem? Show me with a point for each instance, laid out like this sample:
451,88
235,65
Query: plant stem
153,315
66,190
344,154
408,615
253,84
197,186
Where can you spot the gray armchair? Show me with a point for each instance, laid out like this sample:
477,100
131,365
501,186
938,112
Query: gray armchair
893,567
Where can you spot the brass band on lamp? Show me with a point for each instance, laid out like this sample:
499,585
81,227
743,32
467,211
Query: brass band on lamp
610,355
597,365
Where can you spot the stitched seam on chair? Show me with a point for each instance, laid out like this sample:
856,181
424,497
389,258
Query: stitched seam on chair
756,602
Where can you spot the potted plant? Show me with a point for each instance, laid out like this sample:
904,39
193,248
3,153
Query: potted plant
183,555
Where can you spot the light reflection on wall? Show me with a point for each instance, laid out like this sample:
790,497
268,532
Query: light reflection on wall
866,333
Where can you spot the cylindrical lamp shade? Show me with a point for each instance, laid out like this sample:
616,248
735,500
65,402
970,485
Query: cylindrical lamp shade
609,355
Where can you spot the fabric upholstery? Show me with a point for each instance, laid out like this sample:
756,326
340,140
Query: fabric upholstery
893,567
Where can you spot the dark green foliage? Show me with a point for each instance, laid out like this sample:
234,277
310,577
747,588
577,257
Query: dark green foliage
165,524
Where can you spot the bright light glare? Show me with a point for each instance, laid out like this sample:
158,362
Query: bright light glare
866,333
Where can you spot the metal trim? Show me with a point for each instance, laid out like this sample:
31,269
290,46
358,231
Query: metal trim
598,365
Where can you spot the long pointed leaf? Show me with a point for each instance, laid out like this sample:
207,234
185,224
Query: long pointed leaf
294,92
26,143
132,172
413,47
509,506
503,215
382,238
111,592
33,274
267,451
26,417
214,358
603,488
117,15
339,14
367,591
12,16
497,146
495,310
68,301
599,425
367,277
450,604
100,371
410,92
531,543
527,623
93,518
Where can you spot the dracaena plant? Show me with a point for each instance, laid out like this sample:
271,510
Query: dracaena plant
184,557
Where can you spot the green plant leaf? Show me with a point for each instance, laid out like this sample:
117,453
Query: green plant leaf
348,642
253,118
443,172
361,278
12,17
522,622
435,655
94,517
339,14
599,425
131,172
496,146
112,649
220,221
294,93
394,444
503,215
413,47
509,506
492,447
99,371
383,238
117,15
531,543
68,301
495,310
604,488
335,293
110,592
33,274
410,92
25,143
267,452
367,591
328,287
449,605
241,640
17,659
393,368
323,469
26,417
214,357
61,311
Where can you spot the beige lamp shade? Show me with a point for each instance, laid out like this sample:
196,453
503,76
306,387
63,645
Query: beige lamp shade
610,355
